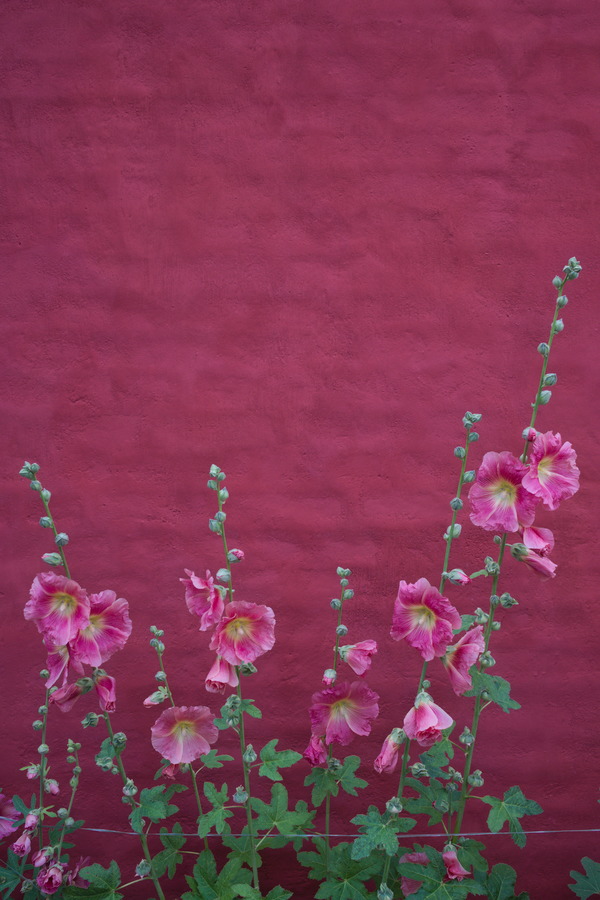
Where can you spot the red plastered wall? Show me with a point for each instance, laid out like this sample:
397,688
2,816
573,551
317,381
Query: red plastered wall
300,240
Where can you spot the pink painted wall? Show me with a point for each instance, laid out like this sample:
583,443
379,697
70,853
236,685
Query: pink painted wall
299,240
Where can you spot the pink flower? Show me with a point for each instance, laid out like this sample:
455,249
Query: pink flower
183,733
51,786
41,857
316,752
203,598
426,721
498,497
553,474
235,555
410,885
459,658
424,618
57,662
341,711
31,822
536,561
221,675
50,878
358,656
22,845
107,631
8,816
245,632
73,877
388,757
66,696
58,606
458,576
453,867
539,539
106,688
155,699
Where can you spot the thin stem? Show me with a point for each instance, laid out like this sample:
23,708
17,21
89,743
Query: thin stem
455,512
227,563
74,785
246,770
43,766
198,801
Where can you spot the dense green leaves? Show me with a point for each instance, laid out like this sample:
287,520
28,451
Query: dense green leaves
154,805
433,800
438,756
497,688
510,809
434,880
10,875
168,859
587,885
217,816
277,816
326,782
341,877
273,760
209,884
103,884
379,832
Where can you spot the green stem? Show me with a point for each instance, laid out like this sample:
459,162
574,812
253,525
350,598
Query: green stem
246,770
455,512
227,563
133,804
74,785
55,532
336,659
198,801
43,766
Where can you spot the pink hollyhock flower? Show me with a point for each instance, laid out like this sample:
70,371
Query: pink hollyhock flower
41,857
536,561
329,677
316,752
8,816
388,757
58,661
358,656
106,688
539,539
58,606
22,845
453,867
31,822
411,885
553,474
184,733
426,721
203,598
459,658
66,696
155,699
424,618
50,878
458,576
73,877
170,771
108,629
235,555
221,674
245,632
341,711
498,497
51,786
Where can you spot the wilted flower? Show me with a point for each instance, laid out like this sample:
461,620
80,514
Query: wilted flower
66,696
8,816
22,845
358,656
553,474
106,688
459,658
411,885
245,632
388,757
343,710
426,721
453,867
316,752
181,734
221,675
50,878
536,561
424,618
203,599
498,497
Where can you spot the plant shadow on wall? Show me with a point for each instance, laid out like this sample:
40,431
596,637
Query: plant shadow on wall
436,758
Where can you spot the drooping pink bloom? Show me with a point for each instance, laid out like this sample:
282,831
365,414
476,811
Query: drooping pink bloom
58,661
50,878
181,734
387,760
58,606
73,876
540,564
458,576
343,710
459,658
41,857
424,618
329,677
411,885
203,599
108,629
22,845
316,752
8,816
51,786
358,656
553,474
106,688
67,695
426,721
453,867
31,822
221,675
498,497
245,632
539,539
32,771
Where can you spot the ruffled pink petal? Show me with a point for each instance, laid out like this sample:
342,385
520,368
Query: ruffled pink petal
499,501
106,688
316,752
454,869
108,630
464,654
539,539
424,618
203,599
59,607
245,632
183,734
553,474
221,675
358,656
411,885
343,710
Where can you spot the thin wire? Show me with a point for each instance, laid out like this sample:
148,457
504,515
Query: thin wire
353,836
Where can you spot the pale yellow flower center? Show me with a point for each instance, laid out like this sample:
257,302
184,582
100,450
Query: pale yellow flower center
239,627
505,492
65,604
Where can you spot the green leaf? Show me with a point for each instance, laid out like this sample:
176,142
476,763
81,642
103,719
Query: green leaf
103,883
276,815
169,858
433,799
105,758
469,854
20,805
324,784
241,848
10,876
154,805
248,707
217,816
500,882
346,778
511,809
437,757
273,760
340,876
208,885
587,885
498,689
378,832
213,760
249,892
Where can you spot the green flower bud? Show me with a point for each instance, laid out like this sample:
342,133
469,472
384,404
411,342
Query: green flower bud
46,522
52,559
45,495
119,741
334,765
42,710
35,485
348,595
491,566
43,749
215,526
561,302
384,893
469,476
161,676
61,539
456,503
476,778
393,806
545,397
426,684
220,516
248,668
223,494
143,868
341,630
249,755
543,348
224,575
419,770
221,476
37,725
344,582
129,789
336,603
557,282
69,821
62,813
211,484
496,626
460,452
214,471
474,436
507,601
240,795
91,720
44,673
329,676
550,379
466,737
494,600
487,660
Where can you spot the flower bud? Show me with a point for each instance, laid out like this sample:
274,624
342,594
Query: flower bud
341,630
561,302
491,566
393,806
529,434
469,476
507,601
240,795
91,720
384,893
487,660
215,526
545,397
249,755
494,600
348,594
453,531
458,576
214,471
220,516
460,452
344,582
474,436
248,668
329,676
223,494
550,379
442,805
143,868
334,765
466,737
129,788
224,575
543,348
119,741
475,778
61,539
235,555
455,775
44,673
336,603
426,684
43,749
456,503
557,282
419,770
211,484
221,476
343,573
46,522
62,813
51,786
161,676
52,559
35,485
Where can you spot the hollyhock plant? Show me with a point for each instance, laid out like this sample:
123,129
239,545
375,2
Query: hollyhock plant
426,721
244,633
8,816
454,870
106,688
221,675
358,656
108,629
59,607
424,618
50,878
67,695
182,734
22,845
498,497
553,474
537,561
539,539
203,599
411,885
343,710
316,752
459,658
387,760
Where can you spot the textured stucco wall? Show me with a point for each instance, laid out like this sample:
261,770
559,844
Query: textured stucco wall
299,240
